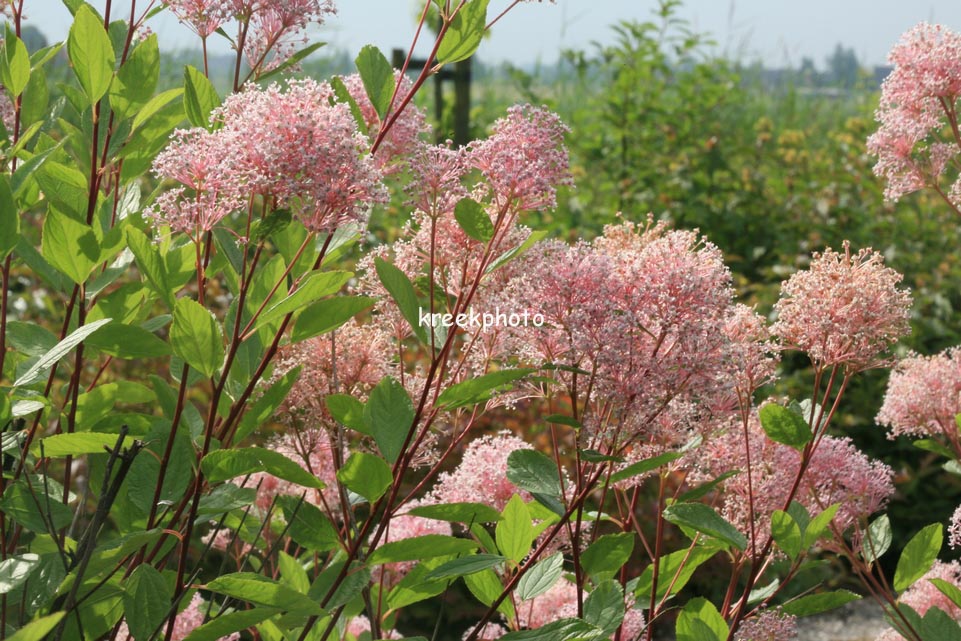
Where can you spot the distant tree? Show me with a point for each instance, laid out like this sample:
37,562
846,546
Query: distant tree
33,38
843,68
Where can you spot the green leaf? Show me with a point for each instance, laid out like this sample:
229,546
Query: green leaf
479,390
137,78
289,62
146,600
75,444
29,338
541,578
38,629
292,572
937,625
29,506
817,603
604,607
347,411
9,218
465,565
705,520
128,342
786,533
91,54
948,589
327,315
226,497
62,349
357,578
469,513
226,624
389,415
680,564
474,220
818,527
918,556
465,33
200,97
402,291
378,78
314,287
151,264
486,587
196,337
645,466
784,426
309,526
415,587
223,465
419,548
705,488
700,621
877,539
69,245
15,570
259,590
366,474
514,252
14,65
605,556
515,532
261,410
534,471
930,445
35,100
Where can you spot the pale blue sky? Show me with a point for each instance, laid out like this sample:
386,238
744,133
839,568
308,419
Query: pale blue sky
779,32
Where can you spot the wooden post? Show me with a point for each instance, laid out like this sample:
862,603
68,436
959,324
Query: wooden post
461,75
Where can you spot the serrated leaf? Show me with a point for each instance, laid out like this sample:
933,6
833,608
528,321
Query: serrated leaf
389,415
464,565
69,245
314,287
128,342
818,527
605,556
366,474
146,600
817,603
197,337
786,533
469,513
76,444
540,578
918,556
472,218
604,607
877,539
259,590
38,629
700,621
15,570
91,54
59,351
478,390
348,411
535,472
226,624
705,520
402,291
327,315
223,465
9,218
465,33
784,426
515,532
378,78
419,548
308,525
674,570
645,466
200,97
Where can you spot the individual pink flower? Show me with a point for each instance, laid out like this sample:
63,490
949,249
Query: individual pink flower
350,360
481,476
916,99
768,625
924,396
524,159
404,136
278,27
954,529
844,310
203,17
303,151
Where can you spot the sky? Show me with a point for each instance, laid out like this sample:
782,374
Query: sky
776,32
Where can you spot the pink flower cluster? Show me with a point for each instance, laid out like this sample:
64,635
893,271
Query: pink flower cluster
404,136
271,29
7,112
293,146
481,476
560,602
924,396
954,529
524,159
407,526
837,473
768,625
313,451
918,98
844,310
